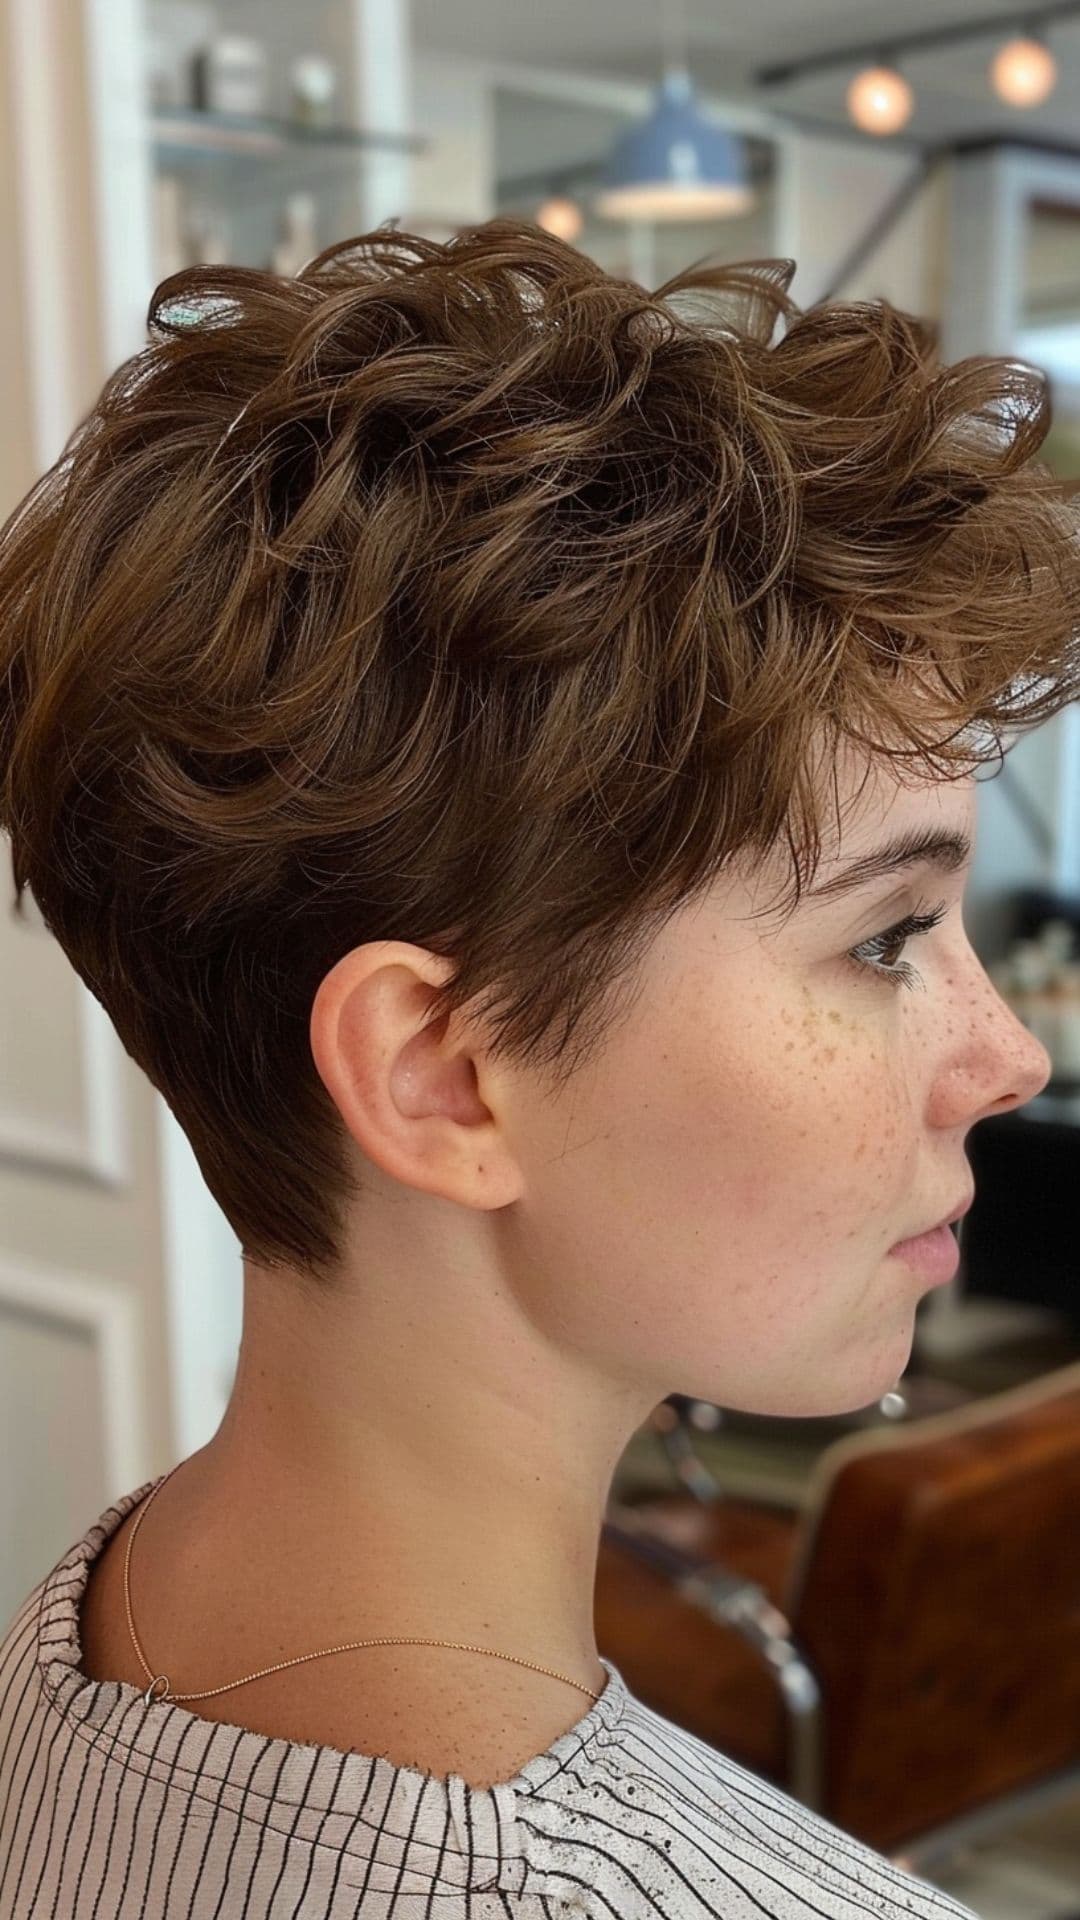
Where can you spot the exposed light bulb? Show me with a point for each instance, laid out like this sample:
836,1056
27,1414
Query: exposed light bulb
560,216
879,100
1023,72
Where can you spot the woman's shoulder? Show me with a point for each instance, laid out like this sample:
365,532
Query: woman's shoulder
426,1709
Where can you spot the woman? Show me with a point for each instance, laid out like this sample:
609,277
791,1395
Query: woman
461,713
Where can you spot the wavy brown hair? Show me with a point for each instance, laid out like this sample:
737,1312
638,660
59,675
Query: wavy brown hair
461,593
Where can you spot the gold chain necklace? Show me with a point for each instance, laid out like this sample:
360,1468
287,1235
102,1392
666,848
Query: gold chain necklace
162,1679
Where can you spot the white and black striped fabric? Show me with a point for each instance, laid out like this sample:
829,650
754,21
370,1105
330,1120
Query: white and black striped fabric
112,1809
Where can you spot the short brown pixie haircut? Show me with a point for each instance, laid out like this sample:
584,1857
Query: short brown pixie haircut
464,594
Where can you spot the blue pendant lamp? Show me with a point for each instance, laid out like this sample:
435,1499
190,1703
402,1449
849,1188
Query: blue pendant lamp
676,164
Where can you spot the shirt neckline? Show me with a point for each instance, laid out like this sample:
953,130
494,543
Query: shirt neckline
338,1799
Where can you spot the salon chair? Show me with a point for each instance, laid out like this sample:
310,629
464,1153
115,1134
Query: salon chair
900,1651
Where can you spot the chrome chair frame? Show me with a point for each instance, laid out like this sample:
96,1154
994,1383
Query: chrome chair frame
744,1605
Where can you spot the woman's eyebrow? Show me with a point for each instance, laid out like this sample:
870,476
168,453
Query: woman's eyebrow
946,849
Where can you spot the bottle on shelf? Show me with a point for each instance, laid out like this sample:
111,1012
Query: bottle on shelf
209,228
184,234
314,83
170,226
297,237
229,75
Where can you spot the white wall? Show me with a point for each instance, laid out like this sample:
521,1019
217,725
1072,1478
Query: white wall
453,184
833,191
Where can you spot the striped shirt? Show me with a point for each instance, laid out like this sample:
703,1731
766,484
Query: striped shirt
111,1808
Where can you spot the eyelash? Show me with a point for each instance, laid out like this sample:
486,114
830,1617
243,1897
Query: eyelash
902,975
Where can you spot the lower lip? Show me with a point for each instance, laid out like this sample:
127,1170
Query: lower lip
935,1255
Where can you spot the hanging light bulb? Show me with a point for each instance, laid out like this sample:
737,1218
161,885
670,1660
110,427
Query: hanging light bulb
1024,71
560,216
879,99
675,164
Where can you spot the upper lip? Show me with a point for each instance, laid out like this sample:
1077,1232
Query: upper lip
957,1213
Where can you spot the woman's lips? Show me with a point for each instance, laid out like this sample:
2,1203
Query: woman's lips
936,1255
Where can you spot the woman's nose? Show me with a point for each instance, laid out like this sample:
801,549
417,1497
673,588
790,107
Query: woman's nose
1025,1066
998,1066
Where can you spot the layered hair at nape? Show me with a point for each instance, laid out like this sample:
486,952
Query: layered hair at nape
464,594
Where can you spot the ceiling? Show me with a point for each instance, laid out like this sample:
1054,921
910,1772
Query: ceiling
625,39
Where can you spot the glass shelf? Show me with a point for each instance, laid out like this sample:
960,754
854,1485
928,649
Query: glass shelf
192,136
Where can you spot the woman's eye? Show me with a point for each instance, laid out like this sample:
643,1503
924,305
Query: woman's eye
870,956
